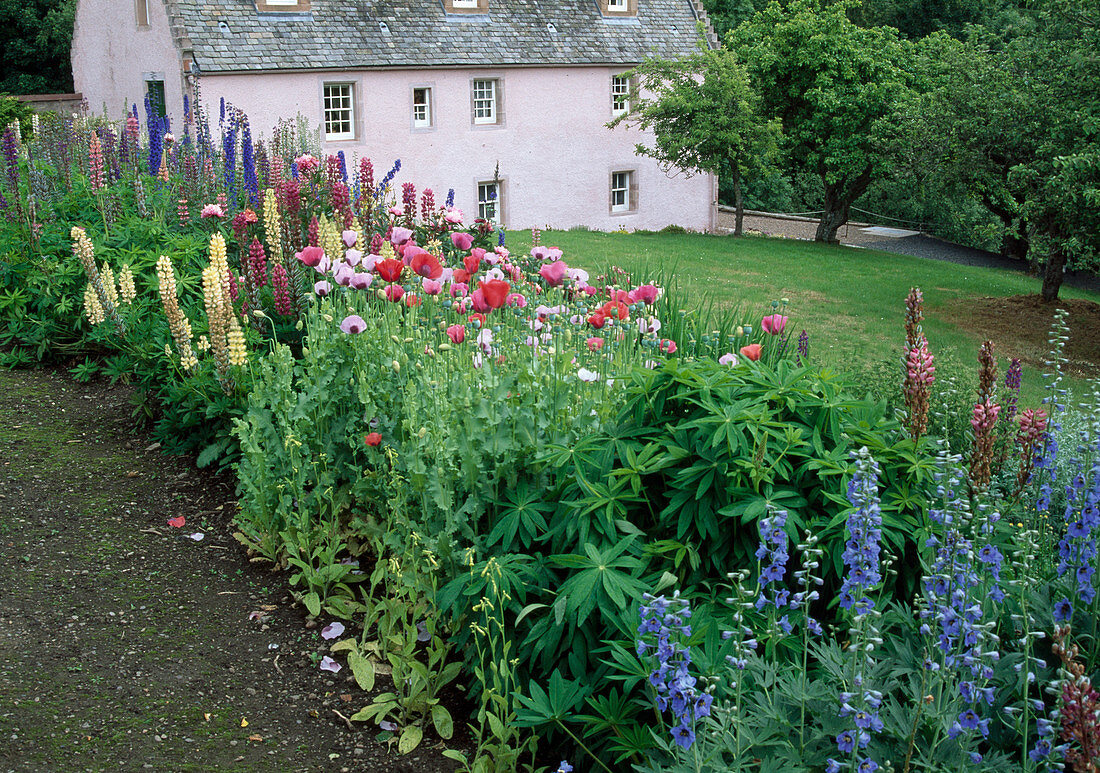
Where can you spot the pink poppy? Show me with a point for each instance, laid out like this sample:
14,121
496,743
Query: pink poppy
350,238
306,163
774,324
667,345
517,300
212,210
553,273
461,240
396,211
343,274
311,256
394,292
322,288
353,324
595,343
453,216
646,293
460,289
457,333
400,235
471,263
477,298
728,359
412,299
361,281
430,286
353,257
751,352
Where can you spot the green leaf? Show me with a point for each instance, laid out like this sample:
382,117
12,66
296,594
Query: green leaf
441,719
362,669
312,603
410,739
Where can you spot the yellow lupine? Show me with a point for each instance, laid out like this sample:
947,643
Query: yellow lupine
177,321
238,354
109,282
272,227
126,284
92,310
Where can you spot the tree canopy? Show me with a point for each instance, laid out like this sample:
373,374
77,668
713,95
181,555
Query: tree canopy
35,36
832,84
704,115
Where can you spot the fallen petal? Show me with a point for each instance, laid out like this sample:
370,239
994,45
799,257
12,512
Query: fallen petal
197,536
387,725
177,522
332,630
328,664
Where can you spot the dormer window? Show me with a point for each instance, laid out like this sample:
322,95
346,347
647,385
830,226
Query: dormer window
466,6
282,6
617,8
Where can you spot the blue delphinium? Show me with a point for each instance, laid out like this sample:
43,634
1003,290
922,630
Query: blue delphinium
860,704
1077,551
772,555
861,551
662,631
450,198
385,184
229,158
248,161
156,138
343,166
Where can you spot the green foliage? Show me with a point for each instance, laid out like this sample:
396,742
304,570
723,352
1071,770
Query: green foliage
11,109
833,85
35,36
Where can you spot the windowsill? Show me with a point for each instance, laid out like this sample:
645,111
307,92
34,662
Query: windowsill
623,212
479,16
339,139
486,126
422,129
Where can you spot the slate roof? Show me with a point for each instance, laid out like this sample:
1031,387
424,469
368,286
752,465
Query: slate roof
347,34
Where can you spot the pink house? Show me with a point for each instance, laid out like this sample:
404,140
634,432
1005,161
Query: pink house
505,101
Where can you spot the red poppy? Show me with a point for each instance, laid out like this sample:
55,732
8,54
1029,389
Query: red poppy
412,299
426,265
373,439
495,292
752,351
461,276
457,333
472,263
597,320
389,269
616,310
595,343
477,317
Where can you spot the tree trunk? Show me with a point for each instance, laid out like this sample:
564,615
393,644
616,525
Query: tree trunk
1053,274
1016,245
838,201
738,200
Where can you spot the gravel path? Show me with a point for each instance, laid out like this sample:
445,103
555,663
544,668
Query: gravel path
919,246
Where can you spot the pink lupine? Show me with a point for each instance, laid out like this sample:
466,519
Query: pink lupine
920,374
234,288
183,212
1032,427
95,162
280,289
984,420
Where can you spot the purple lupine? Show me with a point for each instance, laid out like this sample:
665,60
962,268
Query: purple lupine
408,199
663,629
427,206
803,348
1012,388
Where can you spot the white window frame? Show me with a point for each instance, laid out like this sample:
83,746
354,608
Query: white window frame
483,103
349,108
422,117
618,6
620,94
620,190
286,2
464,3
489,200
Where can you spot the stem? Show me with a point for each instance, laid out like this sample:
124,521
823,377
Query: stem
916,720
580,743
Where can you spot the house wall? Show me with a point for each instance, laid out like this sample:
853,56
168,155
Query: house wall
112,56
555,154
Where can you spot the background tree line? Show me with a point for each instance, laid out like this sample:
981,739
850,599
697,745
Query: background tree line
978,120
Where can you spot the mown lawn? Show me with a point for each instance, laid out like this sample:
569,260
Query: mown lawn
851,301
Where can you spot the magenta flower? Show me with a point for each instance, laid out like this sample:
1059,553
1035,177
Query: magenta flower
647,294
515,299
453,216
773,324
462,240
311,256
457,333
351,325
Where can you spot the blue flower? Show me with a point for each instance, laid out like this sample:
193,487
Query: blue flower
1063,610
684,736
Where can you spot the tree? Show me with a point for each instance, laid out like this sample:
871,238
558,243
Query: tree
35,36
703,113
832,84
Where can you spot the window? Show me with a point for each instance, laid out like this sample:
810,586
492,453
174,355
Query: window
618,7
624,193
282,6
466,6
339,112
620,94
486,101
488,201
154,92
142,10
422,107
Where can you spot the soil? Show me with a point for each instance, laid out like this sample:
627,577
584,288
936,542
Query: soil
127,645
1019,326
